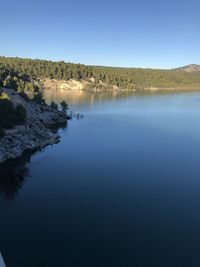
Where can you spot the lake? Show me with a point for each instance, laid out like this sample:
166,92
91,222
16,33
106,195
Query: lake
122,188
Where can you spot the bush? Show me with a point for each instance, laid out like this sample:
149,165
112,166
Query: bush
6,113
38,98
64,105
10,82
54,105
10,115
24,96
20,114
4,96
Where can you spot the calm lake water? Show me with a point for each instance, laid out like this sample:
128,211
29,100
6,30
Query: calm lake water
122,188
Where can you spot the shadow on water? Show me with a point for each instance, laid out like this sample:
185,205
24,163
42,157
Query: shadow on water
61,126
14,172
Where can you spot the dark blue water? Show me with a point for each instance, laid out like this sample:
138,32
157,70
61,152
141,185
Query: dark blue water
122,188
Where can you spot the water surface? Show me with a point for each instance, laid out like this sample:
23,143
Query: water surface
122,188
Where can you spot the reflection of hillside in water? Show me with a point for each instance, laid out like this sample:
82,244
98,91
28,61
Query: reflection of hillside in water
13,173
76,97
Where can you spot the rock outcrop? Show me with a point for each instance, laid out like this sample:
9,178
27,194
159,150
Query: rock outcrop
85,84
35,133
190,68
64,85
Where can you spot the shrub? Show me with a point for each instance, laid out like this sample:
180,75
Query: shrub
38,98
10,115
20,114
64,105
54,105
24,96
6,113
4,96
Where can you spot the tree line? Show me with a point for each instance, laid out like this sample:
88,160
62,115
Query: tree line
24,75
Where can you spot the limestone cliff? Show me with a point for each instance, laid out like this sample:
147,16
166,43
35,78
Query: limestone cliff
84,84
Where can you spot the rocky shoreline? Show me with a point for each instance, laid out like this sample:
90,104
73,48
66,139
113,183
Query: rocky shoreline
36,133
90,85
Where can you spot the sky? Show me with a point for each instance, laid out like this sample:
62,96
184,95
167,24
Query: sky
137,33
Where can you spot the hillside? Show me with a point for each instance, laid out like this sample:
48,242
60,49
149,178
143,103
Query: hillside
28,75
32,131
190,68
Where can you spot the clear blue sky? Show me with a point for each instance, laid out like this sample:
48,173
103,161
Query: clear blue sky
137,33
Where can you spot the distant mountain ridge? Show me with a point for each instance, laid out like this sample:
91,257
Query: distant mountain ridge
190,68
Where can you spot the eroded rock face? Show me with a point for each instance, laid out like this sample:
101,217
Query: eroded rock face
85,84
65,85
190,68
35,133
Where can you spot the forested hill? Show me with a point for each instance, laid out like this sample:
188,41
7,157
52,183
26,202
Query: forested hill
25,74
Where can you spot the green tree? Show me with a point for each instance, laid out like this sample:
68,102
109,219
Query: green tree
64,105
10,115
38,98
54,105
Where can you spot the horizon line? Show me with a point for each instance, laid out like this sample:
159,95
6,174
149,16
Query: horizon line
98,66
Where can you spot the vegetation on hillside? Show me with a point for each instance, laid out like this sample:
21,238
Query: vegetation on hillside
10,115
24,75
12,77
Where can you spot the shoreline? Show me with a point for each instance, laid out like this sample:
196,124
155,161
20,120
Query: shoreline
89,85
36,133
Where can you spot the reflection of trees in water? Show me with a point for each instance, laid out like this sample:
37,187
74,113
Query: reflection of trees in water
13,174
76,97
